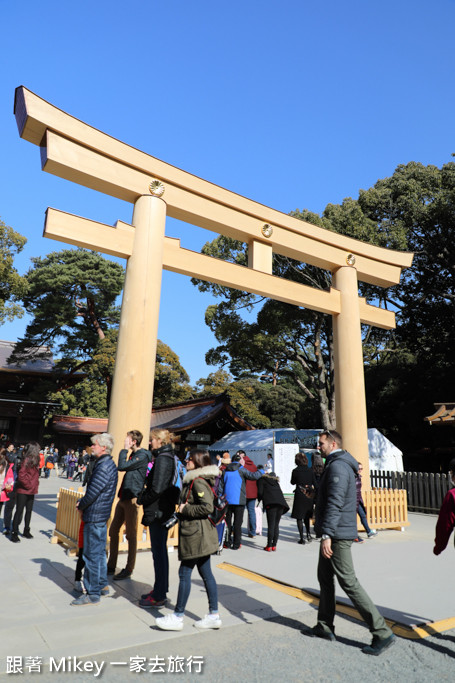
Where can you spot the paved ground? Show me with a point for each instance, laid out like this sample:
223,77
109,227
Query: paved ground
260,639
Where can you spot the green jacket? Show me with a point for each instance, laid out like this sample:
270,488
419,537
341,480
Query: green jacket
197,535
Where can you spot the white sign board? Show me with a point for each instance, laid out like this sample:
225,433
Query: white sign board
284,463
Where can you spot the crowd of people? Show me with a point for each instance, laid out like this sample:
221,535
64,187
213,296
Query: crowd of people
161,490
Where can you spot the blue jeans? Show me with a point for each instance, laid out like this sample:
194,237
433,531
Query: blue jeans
363,518
205,572
251,507
94,555
158,540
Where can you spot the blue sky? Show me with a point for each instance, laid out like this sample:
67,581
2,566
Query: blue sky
292,104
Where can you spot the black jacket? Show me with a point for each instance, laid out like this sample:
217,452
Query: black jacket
336,506
269,491
135,470
160,497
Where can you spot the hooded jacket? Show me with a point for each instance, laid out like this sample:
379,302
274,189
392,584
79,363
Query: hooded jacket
269,491
234,478
135,470
336,506
197,535
97,503
160,497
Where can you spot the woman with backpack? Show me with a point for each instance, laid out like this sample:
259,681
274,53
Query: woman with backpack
26,488
198,539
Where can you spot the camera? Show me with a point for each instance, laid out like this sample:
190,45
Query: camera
172,521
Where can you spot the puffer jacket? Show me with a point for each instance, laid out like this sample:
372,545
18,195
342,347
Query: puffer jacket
97,502
336,507
234,478
197,535
159,497
135,470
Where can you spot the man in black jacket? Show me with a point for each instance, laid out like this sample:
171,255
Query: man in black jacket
135,468
336,523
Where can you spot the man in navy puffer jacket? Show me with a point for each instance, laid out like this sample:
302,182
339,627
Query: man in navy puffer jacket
95,509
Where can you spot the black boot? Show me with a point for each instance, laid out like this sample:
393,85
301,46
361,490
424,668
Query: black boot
27,534
14,537
302,541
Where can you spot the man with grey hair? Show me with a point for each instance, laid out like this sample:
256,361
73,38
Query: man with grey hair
95,509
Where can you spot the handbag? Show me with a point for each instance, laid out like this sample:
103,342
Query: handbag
308,491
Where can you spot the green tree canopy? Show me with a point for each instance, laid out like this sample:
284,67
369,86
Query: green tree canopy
12,285
412,210
71,296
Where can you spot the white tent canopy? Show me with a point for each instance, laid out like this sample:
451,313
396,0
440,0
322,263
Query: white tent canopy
258,443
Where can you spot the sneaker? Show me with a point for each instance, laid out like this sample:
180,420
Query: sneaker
372,533
209,621
6,532
318,632
105,591
78,586
14,538
273,548
110,571
149,602
124,574
171,622
378,645
359,540
268,548
144,596
85,599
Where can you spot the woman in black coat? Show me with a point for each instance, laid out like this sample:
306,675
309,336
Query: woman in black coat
305,488
269,491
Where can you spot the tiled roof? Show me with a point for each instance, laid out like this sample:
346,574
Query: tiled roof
41,365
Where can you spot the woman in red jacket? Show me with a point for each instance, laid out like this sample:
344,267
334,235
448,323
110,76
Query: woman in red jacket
26,488
446,519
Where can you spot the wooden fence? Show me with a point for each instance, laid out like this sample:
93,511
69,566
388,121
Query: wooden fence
425,490
68,521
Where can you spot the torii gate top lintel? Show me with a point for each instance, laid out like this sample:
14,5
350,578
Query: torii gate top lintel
74,150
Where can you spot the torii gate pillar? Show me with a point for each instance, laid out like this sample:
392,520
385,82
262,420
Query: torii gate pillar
349,376
132,389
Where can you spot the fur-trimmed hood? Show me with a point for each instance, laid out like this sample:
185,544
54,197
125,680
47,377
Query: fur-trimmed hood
209,472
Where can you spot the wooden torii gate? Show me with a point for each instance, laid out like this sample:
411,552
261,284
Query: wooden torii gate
74,150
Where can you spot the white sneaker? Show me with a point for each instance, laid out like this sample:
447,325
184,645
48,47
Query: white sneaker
78,586
372,533
171,622
209,621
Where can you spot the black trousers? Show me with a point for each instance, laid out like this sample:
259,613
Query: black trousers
234,519
273,513
23,501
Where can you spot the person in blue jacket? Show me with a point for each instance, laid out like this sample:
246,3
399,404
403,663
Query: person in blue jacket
95,509
234,478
